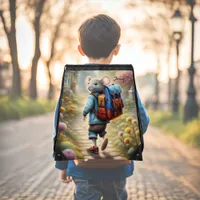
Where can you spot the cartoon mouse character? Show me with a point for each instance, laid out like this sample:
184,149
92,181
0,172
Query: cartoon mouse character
96,126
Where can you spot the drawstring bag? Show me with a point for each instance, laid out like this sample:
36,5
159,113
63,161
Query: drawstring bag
98,124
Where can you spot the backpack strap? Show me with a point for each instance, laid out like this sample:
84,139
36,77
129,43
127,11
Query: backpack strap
94,94
93,110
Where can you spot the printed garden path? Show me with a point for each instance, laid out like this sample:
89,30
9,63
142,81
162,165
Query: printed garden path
81,129
170,170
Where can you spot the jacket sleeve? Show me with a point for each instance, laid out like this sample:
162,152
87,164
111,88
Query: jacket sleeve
89,105
143,114
58,164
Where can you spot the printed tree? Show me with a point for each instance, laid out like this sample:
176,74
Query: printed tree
125,80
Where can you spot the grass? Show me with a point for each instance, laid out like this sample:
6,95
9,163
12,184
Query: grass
173,125
23,107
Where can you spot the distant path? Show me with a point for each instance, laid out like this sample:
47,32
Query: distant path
171,169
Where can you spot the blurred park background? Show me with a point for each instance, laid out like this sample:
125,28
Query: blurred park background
160,38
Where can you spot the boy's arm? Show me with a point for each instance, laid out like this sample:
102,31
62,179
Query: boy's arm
89,105
143,114
58,164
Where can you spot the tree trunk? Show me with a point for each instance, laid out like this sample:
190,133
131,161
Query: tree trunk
16,80
37,52
51,91
2,85
55,37
16,90
33,81
169,78
51,86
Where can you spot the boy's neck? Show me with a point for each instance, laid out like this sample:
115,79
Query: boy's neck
99,61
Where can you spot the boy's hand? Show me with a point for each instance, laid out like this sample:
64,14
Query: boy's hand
64,177
84,118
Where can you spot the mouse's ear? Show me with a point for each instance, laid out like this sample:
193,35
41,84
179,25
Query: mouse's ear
87,79
105,80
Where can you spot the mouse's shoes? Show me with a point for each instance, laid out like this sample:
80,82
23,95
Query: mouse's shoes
93,149
104,144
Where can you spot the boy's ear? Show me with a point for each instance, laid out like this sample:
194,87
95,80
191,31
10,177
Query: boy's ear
81,50
116,50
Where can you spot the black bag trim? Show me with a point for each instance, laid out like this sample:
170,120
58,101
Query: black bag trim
138,152
98,67
58,155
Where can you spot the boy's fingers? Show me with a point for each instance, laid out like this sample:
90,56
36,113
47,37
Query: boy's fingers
64,180
69,179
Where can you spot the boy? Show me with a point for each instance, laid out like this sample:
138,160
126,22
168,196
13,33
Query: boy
99,37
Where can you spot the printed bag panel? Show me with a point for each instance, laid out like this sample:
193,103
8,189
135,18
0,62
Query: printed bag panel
98,114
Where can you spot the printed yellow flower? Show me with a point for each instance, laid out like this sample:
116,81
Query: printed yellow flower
129,119
126,141
71,109
62,109
137,133
128,130
134,122
66,98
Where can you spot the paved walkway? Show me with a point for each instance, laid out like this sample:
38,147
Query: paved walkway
171,169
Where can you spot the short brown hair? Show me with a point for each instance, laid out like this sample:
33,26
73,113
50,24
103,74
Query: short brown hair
99,35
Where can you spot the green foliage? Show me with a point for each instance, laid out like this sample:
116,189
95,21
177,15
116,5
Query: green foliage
193,133
189,133
23,107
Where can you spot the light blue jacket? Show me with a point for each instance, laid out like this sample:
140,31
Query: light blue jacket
101,174
90,104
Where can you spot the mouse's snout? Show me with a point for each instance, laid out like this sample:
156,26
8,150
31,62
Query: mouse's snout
90,87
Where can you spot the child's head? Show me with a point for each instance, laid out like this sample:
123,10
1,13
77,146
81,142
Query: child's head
99,37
